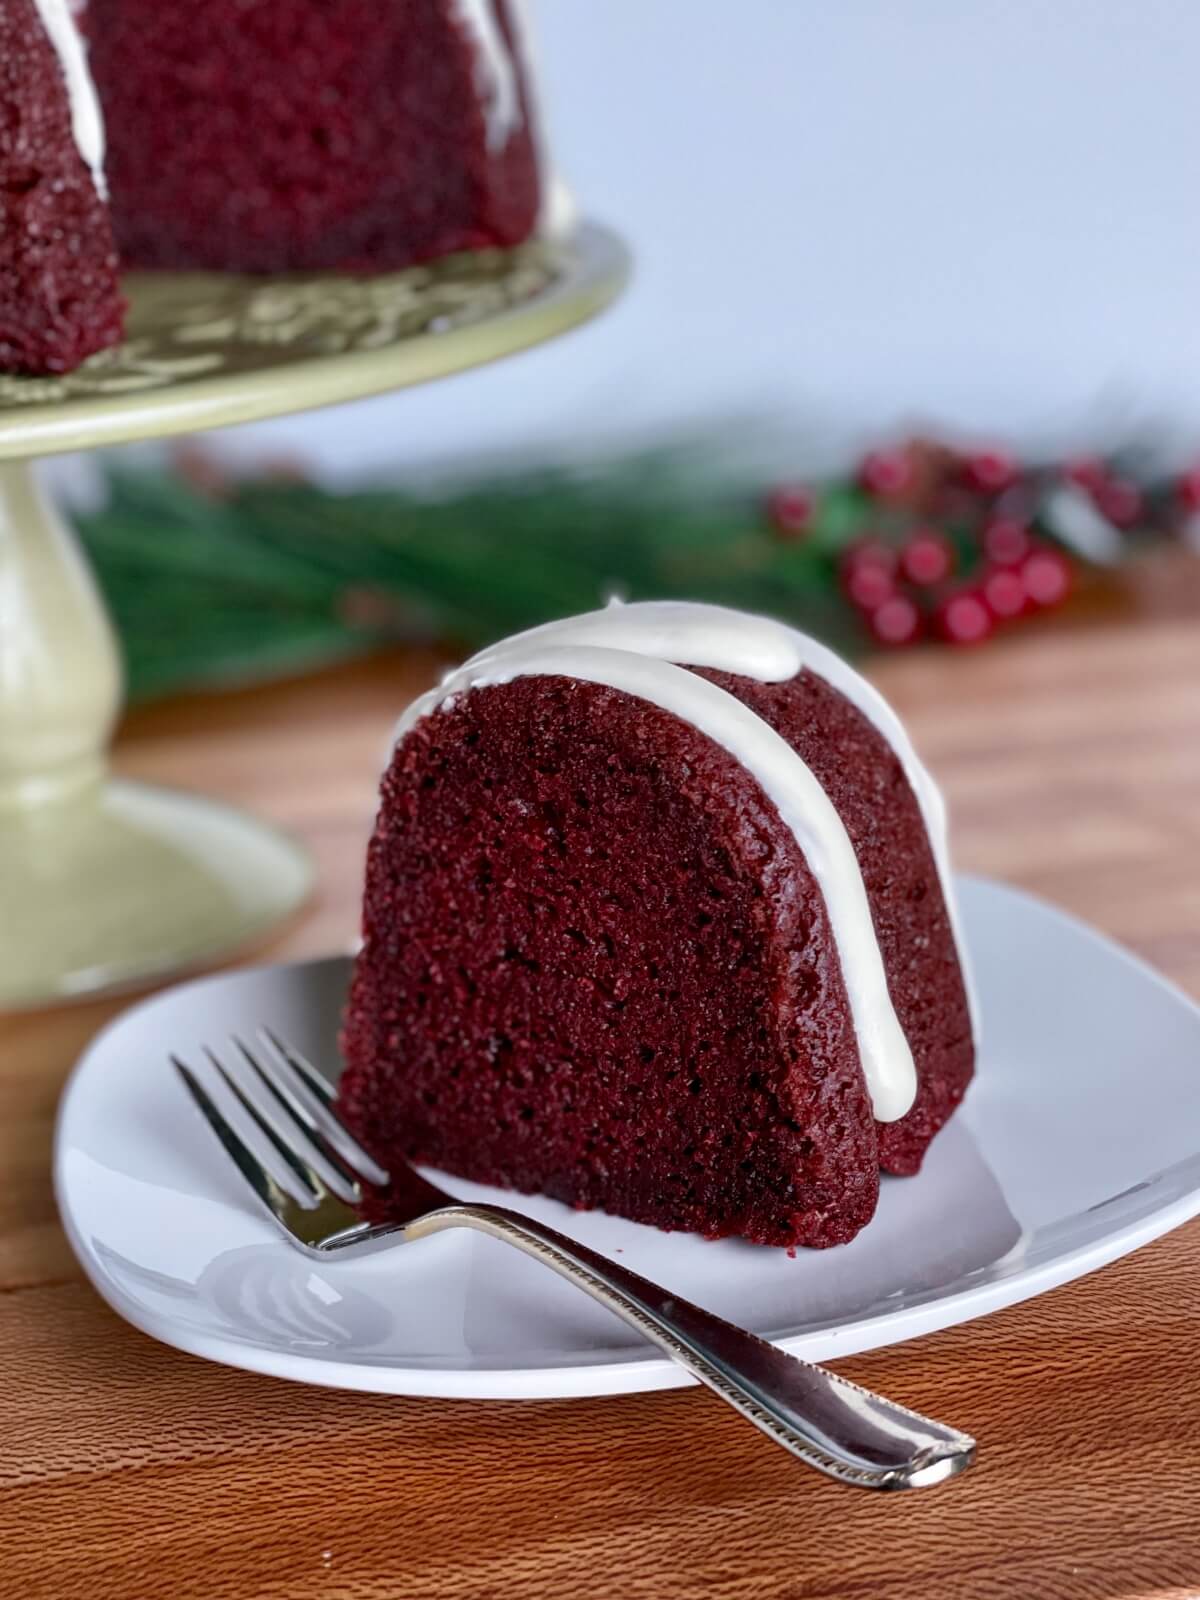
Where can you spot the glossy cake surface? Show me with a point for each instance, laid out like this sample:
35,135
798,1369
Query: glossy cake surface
601,962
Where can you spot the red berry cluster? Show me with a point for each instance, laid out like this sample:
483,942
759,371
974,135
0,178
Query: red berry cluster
906,591
955,548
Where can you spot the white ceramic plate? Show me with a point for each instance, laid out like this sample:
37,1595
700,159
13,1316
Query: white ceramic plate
1078,1142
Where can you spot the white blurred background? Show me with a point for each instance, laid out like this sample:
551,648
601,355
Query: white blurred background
974,214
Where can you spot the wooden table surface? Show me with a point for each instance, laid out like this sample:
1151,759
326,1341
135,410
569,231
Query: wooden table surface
128,1470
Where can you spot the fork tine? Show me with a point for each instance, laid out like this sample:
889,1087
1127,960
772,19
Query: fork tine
240,1153
303,1068
312,1190
325,1113
305,1124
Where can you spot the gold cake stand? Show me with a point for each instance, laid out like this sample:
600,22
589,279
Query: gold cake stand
105,883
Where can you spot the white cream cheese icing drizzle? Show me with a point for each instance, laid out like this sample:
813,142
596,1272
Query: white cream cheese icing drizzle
498,84
557,213
87,124
636,649
496,80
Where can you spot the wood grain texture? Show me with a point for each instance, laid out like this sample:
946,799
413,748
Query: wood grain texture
127,1470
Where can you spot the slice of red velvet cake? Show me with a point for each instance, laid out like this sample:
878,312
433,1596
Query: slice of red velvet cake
658,919
275,135
59,300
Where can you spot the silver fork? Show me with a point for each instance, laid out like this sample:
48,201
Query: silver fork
829,1423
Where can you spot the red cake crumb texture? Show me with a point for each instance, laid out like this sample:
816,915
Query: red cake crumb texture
597,966
59,300
253,136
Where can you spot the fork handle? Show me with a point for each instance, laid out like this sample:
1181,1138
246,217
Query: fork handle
831,1424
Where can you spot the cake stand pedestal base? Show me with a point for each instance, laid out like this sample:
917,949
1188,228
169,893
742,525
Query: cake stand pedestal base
121,883
102,883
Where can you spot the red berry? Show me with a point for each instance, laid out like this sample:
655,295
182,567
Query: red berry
990,471
869,586
1006,542
1119,501
885,473
927,558
1088,472
790,508
201,471
868,573
1046,576
897,621
869,552
1189,489
963,618
1004,593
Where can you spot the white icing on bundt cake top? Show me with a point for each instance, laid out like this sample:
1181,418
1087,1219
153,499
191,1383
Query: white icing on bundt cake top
496,81
644,650
498,85
87,123
557,213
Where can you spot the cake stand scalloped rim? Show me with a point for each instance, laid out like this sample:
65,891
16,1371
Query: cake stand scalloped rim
592,267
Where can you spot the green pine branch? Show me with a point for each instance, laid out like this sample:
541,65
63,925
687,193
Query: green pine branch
279,578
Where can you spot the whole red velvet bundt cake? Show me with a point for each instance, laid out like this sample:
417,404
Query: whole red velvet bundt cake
249,136
267,135
59,300
658,919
